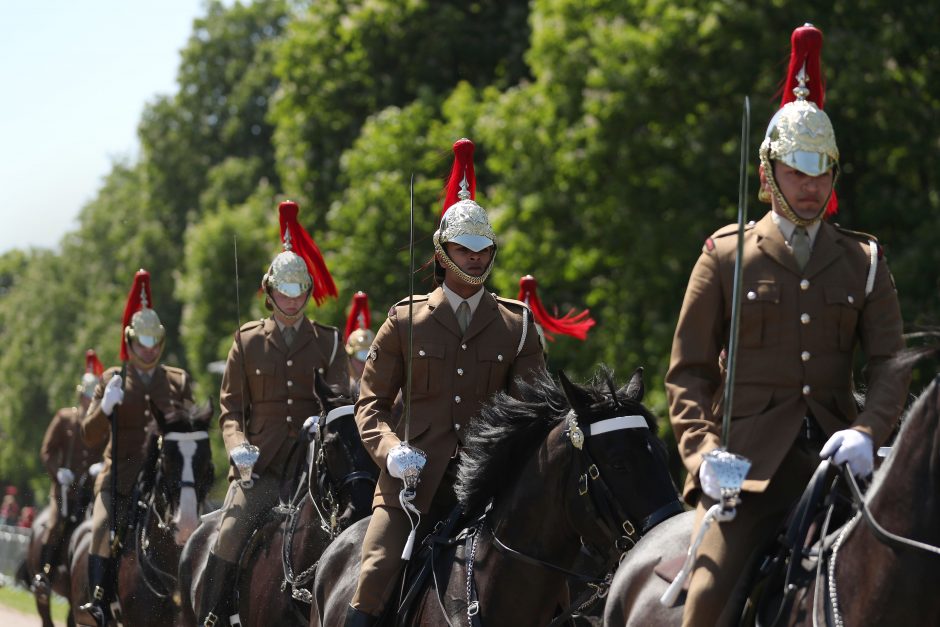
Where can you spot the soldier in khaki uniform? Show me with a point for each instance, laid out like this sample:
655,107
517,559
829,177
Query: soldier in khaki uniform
66,457
468,344
812,292
127,401
359,338
269,376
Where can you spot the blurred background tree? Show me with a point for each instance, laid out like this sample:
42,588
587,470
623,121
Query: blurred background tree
607,151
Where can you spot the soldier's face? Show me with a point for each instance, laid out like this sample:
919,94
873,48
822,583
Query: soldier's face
471,262
288,304
806,194
147,354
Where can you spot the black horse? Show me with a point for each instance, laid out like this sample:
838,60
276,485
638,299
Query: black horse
879,568
333,489
170,491
539,477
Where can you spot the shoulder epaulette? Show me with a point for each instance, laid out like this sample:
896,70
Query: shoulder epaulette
511,301
418,298
861,236
251,324
725,231
175,370
326,327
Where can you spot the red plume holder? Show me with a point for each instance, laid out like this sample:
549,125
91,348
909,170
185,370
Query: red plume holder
573,324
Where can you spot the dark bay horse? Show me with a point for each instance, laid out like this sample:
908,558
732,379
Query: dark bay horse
334,488
539,477
78,497
880,568
171,488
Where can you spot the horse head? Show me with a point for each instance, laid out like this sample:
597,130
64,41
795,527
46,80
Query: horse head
346,474
179,471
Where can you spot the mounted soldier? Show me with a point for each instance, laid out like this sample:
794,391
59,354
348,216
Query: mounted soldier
813,292
267,395
359,338
66,458
467,345
119,414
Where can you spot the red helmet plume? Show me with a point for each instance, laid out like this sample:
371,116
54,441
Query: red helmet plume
138,298
359,315
462,169
296,239
93,365
573,324
805,54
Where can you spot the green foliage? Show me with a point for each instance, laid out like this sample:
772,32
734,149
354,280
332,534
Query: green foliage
607,151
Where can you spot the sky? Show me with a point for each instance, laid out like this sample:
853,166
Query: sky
75,76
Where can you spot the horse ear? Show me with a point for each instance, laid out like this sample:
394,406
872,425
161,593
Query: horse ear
321,390
158,417
202,415
577,397
634,388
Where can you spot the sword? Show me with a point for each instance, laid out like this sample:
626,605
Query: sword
411,298
245,455
738,278
115,540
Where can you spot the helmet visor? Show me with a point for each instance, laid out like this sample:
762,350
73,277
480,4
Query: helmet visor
476,243
291,290
811,163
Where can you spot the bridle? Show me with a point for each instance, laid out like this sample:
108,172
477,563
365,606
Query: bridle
602,508
148,570
325,499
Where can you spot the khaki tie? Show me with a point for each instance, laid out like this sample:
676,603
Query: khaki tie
463,316
800,244
288,333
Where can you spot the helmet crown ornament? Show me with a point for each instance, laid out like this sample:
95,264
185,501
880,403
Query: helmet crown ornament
573,324
140,323
800,133
463,221
300,265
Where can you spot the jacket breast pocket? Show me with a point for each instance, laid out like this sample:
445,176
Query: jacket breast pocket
842,310
427,368
493,367
263,379
759,312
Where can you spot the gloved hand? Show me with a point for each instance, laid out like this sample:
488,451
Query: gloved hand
311,426
95,469
708,478
852,447
113,395
401,458
64,476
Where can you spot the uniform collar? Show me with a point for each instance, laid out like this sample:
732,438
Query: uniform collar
787,227
454,299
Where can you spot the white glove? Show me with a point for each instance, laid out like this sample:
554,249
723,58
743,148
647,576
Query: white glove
113,395
311,426
853,447
708,478
402,458
95,469
64,476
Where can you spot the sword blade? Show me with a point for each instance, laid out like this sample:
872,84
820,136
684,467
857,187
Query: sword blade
411,298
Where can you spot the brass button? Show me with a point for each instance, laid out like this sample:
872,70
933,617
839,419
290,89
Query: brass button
290,383
805,355
804,285
463,346
807,390
459,372
321,370
290,362
421,353
289,419
146,397
290,401
457,427
146,412
499,358
804,318
257,370
457,399
752,295
851,299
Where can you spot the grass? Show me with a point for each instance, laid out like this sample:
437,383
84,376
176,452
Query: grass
21,599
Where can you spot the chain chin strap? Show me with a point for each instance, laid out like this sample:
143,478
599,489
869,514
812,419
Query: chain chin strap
782,203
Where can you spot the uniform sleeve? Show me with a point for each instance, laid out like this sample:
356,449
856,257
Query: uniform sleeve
694,375
530,361
379,386
337,375
231,419
96,425
47,453
880,332
186,395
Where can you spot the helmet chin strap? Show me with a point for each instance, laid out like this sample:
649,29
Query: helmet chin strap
782,203
286,317
463,276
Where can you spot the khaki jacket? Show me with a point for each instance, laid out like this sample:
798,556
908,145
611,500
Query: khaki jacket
169,390
798,334
280,386
63,446
453,374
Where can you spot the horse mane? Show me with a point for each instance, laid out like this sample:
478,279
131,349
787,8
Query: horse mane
506,432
